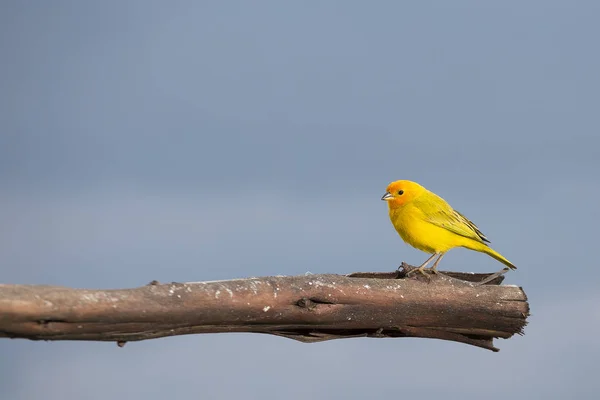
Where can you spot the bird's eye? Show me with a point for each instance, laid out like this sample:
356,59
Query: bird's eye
400,192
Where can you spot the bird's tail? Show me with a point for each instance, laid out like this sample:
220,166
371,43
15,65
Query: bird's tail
493,253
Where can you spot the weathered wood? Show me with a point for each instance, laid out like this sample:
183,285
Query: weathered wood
307,308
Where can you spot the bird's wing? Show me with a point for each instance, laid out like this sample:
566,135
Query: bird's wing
472,226
438,212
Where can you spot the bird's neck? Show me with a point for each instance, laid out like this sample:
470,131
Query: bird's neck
396,210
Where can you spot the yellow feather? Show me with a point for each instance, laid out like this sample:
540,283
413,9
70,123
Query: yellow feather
427,222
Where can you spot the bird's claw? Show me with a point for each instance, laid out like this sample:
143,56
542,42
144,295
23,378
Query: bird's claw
409,270
421,270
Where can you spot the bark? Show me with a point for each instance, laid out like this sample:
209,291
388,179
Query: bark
308,308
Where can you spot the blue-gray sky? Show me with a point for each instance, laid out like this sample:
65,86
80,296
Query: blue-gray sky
188,140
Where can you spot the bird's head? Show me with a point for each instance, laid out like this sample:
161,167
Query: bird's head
399,193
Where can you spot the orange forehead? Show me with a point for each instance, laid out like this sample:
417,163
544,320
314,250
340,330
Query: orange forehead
394,186
403,192
403,185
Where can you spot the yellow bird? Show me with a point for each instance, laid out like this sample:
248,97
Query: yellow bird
427,222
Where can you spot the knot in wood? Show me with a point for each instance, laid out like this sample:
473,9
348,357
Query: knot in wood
307,303
311,303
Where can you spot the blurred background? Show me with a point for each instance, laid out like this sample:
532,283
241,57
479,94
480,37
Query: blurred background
202,140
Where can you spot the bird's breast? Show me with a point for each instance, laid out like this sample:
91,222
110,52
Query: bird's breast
412,227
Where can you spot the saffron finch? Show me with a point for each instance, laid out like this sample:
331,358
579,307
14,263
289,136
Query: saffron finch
427,222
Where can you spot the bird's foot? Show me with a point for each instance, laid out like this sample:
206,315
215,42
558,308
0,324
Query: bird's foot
406,270
420,270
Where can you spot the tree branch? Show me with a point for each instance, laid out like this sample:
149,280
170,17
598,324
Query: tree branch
308,308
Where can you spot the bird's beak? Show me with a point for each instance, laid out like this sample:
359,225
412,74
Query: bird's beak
386,196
